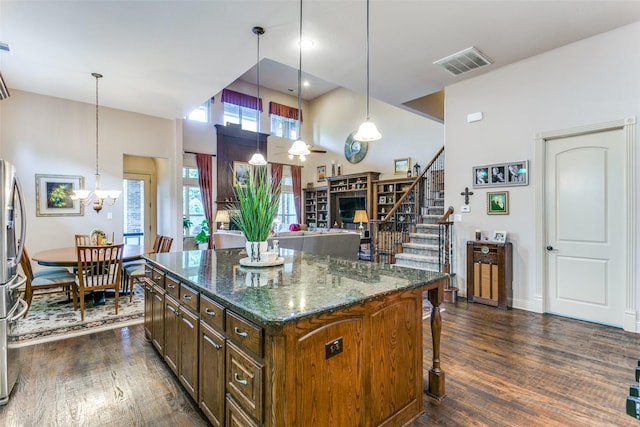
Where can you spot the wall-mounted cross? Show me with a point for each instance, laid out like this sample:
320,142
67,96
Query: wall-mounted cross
466,193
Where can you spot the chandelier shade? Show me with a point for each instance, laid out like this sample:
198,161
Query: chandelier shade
98,197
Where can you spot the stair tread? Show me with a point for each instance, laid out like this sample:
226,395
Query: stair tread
413,245
416,257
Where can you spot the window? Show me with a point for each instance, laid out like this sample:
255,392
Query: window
192,208
286,209
284,127
246,117
202,113
284,120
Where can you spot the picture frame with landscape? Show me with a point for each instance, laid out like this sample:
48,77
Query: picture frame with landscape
53,195
401,166
498,203
322,173
241,173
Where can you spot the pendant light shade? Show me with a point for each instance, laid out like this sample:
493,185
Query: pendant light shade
367,131
258,159
299,147
98,197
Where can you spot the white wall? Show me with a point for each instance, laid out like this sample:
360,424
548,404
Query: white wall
592,81
46,135
404,134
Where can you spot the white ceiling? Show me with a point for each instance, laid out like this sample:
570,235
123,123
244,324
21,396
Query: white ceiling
164,58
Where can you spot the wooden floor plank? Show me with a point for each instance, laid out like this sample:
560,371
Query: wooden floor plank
503,368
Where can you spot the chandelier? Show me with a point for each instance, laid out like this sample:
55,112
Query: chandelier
98,197
258,159
299,147
367,130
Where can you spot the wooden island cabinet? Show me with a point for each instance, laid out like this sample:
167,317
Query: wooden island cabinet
317,341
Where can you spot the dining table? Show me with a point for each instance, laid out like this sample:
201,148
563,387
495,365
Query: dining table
68,257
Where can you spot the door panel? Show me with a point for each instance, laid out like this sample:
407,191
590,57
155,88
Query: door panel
585,226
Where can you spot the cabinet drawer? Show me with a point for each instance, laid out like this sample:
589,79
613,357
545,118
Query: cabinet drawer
244,381
211,313
244,333
189,297
236,417
154,275
172,286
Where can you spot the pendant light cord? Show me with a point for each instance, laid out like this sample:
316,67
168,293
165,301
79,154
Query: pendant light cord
258,87
367,102
97,76
300,78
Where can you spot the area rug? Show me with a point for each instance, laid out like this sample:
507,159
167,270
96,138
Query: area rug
51,317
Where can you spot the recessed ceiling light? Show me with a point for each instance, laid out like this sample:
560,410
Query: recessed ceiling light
305,83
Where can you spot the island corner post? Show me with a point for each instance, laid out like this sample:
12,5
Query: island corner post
436,383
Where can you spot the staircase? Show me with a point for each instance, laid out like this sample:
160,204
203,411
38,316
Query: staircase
422,250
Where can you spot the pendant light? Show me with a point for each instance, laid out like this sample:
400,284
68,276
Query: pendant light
258,159
98,197
299,147
367,130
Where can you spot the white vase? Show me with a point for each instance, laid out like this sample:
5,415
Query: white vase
257,251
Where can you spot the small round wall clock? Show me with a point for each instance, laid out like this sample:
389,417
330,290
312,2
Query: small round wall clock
354,151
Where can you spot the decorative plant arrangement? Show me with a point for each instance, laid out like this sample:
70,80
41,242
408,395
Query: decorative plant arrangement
256,207
204,233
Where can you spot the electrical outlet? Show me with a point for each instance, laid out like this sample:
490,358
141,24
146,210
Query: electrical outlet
333,348
465,209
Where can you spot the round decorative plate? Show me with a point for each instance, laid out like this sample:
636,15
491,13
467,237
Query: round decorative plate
246,262
354,150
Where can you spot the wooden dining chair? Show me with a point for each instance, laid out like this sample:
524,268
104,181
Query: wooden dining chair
44,281
99,268
135,273
83,240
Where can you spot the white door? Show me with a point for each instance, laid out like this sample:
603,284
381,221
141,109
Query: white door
586,217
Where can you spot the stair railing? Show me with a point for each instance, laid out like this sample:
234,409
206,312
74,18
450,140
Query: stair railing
387,241
444,239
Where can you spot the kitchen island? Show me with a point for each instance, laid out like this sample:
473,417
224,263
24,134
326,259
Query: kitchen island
318,340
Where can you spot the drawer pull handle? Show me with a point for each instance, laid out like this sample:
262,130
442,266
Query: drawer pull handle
209,312
187,297
238,332
171,286
216,346
238,380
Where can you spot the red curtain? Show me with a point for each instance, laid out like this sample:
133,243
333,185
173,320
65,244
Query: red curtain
284,111
241,99
276,173
205,178
296,178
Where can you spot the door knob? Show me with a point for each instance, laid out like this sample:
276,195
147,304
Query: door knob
549,248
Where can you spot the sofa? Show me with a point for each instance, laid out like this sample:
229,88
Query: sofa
335,243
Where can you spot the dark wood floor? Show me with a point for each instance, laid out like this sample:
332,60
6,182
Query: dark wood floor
503,368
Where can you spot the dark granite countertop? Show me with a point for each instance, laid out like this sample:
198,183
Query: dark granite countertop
305,285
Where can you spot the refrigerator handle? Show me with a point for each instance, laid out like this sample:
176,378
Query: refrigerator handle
23,220
15,316
19,281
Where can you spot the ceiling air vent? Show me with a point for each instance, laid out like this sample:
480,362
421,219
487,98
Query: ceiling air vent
5,48
463,61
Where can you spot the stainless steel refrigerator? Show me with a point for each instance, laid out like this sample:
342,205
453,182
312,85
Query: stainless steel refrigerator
12,307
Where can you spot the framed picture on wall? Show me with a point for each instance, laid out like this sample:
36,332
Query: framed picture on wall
401,166
241,173
498,203
53,195
322,173
501,174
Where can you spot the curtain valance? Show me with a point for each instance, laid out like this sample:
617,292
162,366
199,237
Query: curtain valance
241,99
284,111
